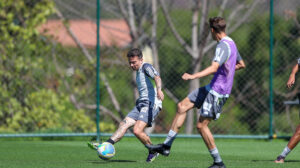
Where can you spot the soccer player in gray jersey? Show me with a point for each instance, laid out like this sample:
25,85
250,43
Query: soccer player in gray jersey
296,137
147,107
210,98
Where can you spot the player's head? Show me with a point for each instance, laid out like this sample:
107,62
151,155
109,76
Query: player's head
135,58
217,26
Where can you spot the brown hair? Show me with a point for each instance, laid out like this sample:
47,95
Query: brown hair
135,52
218,24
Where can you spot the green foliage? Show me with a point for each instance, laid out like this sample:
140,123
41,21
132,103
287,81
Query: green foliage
31,98
46,110
19,21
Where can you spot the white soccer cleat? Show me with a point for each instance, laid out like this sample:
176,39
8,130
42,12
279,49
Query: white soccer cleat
93,145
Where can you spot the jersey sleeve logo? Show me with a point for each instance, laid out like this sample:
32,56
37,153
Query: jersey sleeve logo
219,54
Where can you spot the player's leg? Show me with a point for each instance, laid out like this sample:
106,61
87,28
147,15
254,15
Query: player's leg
178,121
203,129
292,143
211,110
295,139
123,127
128,122
145,120
182,108
290,146
138,131
194,99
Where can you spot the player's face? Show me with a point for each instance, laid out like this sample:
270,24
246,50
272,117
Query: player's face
213,34
135,62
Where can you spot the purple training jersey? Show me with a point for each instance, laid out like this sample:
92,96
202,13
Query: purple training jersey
226,55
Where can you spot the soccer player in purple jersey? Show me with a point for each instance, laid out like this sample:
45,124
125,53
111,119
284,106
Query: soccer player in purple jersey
296,137
210,98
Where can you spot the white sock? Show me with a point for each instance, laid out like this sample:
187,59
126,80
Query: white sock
285,151
215,154
170,138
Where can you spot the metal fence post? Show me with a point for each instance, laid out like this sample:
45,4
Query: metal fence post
98,71
271,73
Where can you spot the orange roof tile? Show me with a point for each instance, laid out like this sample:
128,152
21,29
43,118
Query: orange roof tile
112,32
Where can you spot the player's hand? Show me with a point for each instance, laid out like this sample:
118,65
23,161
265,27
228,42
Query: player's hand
290,82
160,95
187,76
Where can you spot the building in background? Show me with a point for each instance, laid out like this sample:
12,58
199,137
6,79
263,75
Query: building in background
112,32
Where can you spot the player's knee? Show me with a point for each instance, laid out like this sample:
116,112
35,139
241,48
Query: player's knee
125,124
200,126
180,108
137,131
122,125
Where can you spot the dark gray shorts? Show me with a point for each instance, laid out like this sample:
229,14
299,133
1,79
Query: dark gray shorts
210,104
145,111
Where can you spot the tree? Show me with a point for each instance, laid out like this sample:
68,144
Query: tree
138,17
200,43
31,96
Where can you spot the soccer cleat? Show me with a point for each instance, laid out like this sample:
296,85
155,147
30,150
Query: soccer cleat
279,159
93,145
217,165
151,157
160,148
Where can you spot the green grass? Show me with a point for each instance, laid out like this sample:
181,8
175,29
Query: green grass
130,153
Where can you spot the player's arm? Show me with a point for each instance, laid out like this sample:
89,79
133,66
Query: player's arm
221,56
152,73
207,71
160,94
240,64
291,80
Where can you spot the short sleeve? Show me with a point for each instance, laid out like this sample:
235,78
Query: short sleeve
221,54
149,70
298,61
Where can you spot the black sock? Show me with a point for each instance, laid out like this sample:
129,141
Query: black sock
110,141
219,163
166,146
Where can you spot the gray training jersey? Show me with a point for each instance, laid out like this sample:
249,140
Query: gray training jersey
146,85
223,51
226,55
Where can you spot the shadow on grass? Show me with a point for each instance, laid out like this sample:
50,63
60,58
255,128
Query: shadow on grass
273,161
109,161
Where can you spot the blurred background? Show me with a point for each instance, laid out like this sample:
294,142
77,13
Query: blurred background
48,63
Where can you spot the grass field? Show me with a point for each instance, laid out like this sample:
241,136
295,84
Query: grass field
130,154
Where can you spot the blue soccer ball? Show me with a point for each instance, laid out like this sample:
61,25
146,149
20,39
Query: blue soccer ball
106,151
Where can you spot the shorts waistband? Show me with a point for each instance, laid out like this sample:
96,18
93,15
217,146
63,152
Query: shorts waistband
208,88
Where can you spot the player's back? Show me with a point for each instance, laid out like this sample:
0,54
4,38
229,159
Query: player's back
223,78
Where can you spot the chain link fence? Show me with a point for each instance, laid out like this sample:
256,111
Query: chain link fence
48,81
